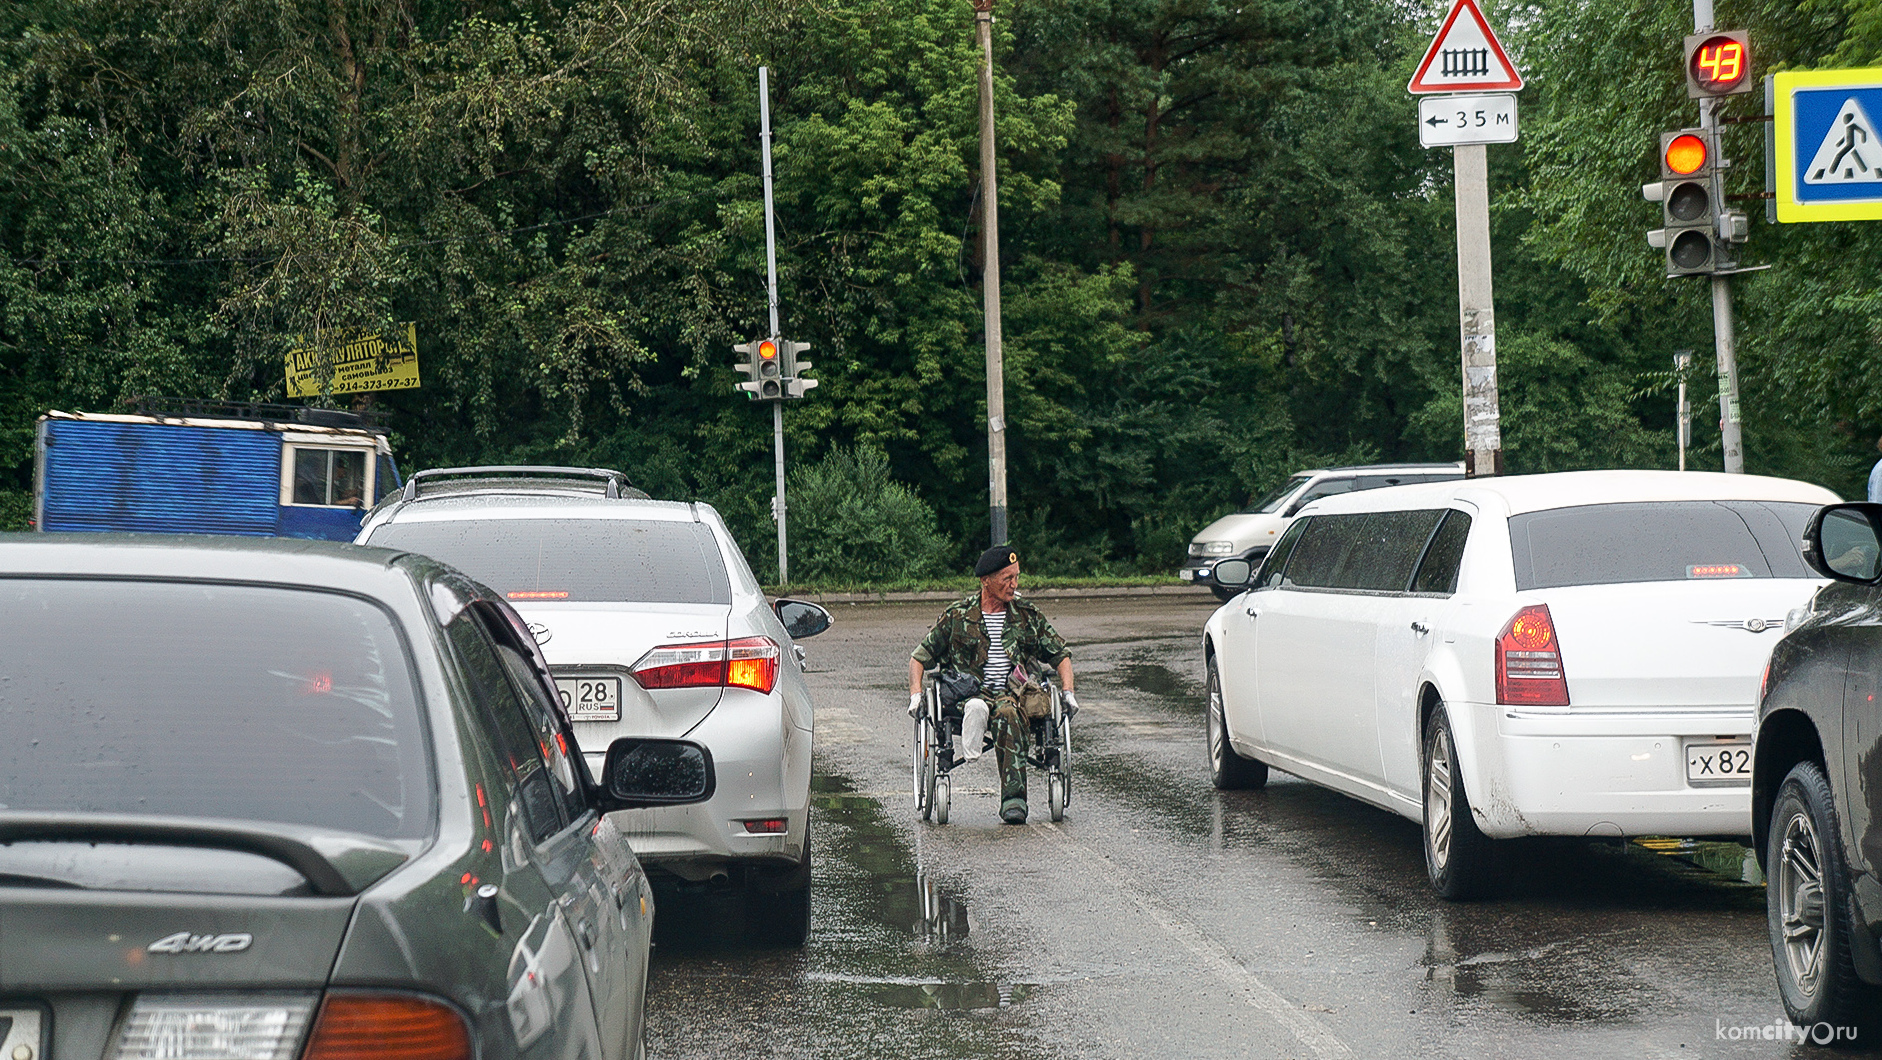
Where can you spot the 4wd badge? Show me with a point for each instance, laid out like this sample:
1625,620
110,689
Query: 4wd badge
185,942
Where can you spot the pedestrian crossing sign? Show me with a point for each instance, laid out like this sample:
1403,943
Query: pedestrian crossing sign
1828,157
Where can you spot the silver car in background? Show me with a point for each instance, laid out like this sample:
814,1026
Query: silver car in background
653,626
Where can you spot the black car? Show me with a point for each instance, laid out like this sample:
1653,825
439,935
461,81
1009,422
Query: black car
276,798
1816,798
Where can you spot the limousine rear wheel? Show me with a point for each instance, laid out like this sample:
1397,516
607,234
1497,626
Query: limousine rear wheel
1807,886
1227,769
1459,858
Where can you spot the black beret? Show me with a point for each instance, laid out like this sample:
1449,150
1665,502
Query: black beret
995,560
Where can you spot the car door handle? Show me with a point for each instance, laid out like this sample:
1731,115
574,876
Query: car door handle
588,935
1420,628
798,651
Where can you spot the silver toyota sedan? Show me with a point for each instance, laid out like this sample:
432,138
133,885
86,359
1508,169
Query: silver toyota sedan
654,626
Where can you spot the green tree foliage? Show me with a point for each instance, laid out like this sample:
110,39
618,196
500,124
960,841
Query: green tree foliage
1225,255
851,522
1807,328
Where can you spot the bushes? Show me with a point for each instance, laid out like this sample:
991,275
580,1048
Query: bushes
851,522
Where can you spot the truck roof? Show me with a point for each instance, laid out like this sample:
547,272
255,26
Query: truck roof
226,423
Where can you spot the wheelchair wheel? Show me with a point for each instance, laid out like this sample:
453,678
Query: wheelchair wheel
942,796
924,756
1059,757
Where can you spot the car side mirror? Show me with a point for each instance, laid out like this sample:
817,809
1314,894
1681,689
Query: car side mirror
1233,573
1844,541
645,772
802,618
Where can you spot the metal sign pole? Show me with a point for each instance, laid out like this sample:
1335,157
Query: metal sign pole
1682,363
990,283
778,509
1483,433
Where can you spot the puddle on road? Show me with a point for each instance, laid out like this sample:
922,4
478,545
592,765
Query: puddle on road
1733,861
950,995
890,969
894,892
1157,679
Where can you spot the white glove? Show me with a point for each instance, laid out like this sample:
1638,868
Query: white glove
914,704
1069,702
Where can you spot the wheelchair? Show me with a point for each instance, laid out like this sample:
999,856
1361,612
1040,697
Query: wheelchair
936,729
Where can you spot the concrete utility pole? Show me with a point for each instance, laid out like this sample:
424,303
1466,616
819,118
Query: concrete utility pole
1483,430
990,281
1730,435
771,298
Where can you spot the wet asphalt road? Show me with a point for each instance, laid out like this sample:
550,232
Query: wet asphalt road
1165,919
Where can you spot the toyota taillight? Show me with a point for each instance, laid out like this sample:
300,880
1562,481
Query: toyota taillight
1529,661
699,665
387,1027
751,662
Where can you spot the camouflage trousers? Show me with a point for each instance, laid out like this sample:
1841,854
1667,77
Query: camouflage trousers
1011,736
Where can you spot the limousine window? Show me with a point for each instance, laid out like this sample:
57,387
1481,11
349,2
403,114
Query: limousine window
1273,571
1389,546
1608,544
1371,551
1438,572
1329,539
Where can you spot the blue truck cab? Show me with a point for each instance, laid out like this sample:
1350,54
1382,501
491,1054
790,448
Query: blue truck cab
259,471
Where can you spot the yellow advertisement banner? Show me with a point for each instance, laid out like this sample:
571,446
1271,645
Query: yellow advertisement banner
376,360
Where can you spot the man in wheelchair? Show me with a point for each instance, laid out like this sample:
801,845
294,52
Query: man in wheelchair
984,638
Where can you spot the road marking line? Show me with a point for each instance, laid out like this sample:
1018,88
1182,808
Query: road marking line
1259,995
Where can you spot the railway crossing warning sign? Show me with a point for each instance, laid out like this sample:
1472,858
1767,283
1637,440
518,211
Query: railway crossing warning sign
1828,156
1465,56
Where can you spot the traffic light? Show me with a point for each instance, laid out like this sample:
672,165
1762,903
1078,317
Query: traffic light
766,382
794,383
1718,64
1693,237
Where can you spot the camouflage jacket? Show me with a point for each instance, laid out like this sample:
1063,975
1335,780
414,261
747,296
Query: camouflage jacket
958,640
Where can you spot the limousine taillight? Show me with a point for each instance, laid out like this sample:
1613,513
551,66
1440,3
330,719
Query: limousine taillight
1529,669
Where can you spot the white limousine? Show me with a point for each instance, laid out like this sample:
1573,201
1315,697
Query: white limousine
1564,654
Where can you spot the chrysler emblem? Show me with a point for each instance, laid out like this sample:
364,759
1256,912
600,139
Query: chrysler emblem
1749,625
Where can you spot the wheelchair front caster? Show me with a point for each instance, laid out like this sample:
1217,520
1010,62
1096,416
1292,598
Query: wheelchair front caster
941,797
1055,796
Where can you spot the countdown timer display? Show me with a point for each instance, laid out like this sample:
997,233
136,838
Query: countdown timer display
1718,64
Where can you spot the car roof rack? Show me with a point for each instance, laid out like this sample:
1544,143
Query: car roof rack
613,484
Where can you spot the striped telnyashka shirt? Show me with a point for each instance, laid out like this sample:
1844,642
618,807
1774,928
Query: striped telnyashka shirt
993,678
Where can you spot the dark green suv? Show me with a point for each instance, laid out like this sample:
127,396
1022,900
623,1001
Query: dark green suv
278,799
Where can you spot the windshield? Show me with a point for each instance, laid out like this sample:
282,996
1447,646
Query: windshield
1273,501
264,704
1606,544
535,561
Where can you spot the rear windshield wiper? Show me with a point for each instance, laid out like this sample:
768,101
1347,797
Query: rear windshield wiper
333,863
20,879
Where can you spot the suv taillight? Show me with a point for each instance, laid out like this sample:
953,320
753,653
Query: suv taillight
751,662
387,1027
1529,661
